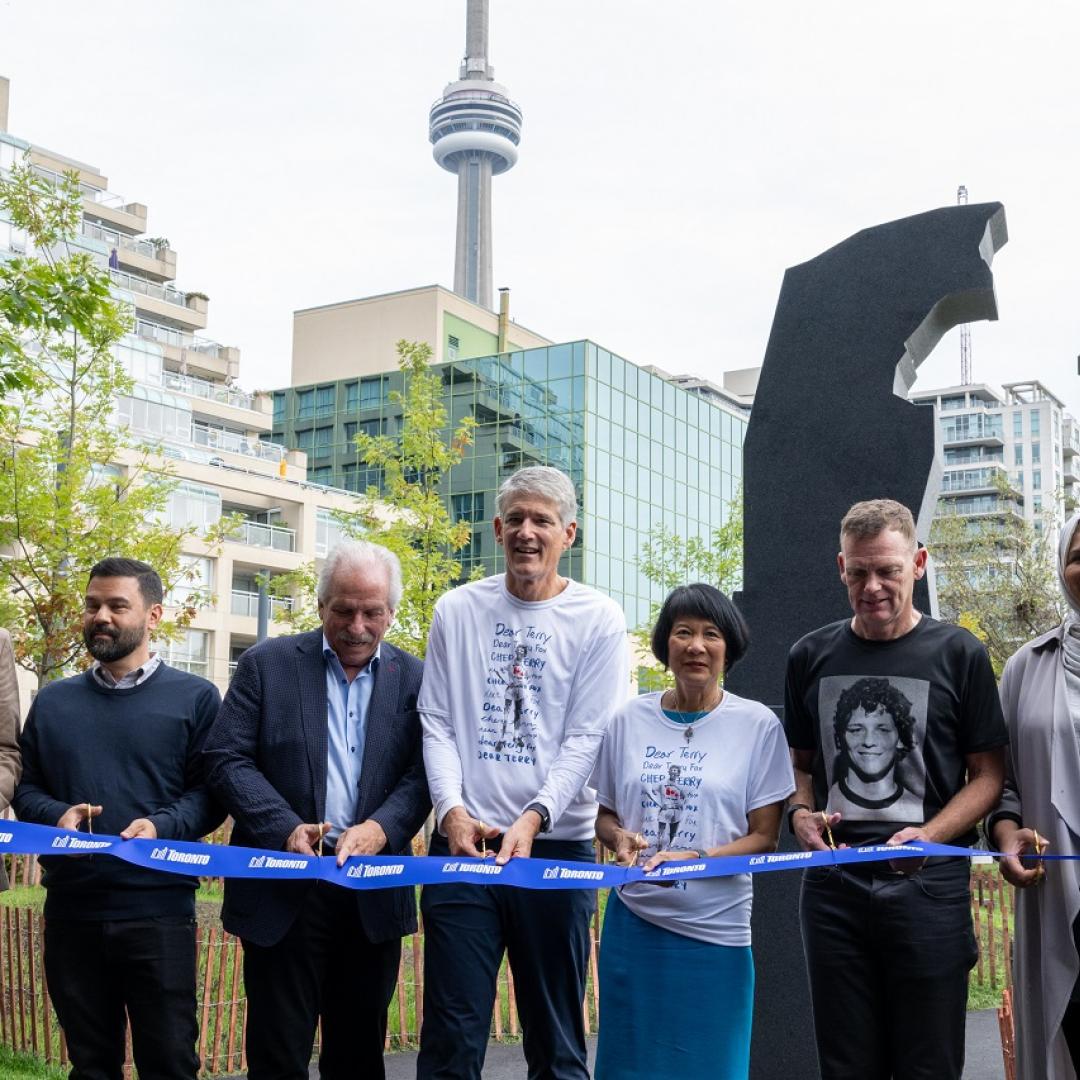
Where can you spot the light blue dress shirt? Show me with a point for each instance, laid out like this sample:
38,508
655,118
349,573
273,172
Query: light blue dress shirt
346,725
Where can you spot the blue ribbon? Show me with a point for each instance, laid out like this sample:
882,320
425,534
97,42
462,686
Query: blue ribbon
384,871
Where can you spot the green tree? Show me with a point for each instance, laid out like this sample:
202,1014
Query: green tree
996,576
409,514
668,560
73,487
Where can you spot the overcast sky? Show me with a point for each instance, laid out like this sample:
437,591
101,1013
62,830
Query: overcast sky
676,156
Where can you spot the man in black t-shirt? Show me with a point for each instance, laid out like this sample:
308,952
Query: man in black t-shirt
896,734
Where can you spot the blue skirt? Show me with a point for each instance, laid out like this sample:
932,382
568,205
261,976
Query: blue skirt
670,1005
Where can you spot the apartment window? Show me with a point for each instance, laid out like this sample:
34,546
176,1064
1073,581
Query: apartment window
279,408
305,403
321,475
328,532
305,440
468,506
190,653
360,477
195,580
193,505
1036,456
1036,503
959,402
1035,419
144,365
1036,479
1018,454
153,412
473,548
362,427
325,400
452,347
324,437
371,393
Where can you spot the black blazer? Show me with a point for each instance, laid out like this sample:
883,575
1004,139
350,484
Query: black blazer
265,761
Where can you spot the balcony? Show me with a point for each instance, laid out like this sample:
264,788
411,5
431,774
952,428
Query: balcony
976,434
980,506
231,443
256,534
987,480
247,604
1070,438
207,390
219,362
156,261
148,288
163,301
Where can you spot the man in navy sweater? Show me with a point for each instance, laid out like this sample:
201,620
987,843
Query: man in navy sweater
121,744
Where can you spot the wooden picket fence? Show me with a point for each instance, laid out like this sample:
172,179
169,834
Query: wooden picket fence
28,1022
993,906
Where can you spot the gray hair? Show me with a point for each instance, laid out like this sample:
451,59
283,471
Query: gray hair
542,482
354,554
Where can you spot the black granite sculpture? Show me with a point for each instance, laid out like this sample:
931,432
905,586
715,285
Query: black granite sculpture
830,426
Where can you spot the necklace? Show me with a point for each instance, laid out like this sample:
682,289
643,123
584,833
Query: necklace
690,718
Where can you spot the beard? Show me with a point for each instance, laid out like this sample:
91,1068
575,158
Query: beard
120,643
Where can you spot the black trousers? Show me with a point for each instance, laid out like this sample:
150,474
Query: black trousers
146,967
324,968
888,957
467,929
1070,1025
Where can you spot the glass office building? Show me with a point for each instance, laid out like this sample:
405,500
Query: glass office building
641,451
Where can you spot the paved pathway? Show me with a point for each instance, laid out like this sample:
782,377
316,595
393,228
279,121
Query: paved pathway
506,1061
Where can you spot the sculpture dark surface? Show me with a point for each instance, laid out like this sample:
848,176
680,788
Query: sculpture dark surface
830,426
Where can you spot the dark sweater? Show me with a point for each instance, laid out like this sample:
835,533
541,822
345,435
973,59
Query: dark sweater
136,753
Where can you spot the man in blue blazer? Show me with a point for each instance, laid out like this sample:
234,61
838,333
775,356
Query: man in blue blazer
318,748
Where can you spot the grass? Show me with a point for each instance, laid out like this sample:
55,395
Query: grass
24,896
23,1067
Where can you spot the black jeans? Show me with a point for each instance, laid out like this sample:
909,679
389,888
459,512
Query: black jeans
1070,1024
97,970
888,957
467,928
326,968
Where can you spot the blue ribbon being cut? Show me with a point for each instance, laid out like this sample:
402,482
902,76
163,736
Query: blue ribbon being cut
383,871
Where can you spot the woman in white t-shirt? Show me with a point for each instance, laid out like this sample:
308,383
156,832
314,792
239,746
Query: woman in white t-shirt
688,773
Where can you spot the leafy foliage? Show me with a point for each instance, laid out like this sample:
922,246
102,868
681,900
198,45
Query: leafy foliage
409,515
73,487
996,577
669,560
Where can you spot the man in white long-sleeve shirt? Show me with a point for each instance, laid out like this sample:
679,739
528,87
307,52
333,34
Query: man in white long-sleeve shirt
506,763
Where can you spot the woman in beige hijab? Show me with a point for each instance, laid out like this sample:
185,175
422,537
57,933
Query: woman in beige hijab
1040,811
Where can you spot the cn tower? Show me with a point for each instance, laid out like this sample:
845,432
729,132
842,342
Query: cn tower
475,130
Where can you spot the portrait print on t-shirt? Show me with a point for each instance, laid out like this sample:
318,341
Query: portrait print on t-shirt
670,784
873,731
513,695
